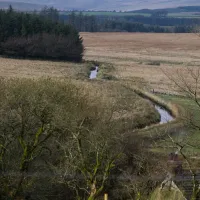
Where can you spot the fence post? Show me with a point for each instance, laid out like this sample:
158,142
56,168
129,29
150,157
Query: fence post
105,196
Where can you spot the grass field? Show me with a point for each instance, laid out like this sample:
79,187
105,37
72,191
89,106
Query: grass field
124,14
34,68
102,13
145,55
185,15
188,136
191,111
139,59
143,59
130,110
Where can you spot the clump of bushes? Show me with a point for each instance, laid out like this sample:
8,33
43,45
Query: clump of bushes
43,46
54,134
157,63
59,140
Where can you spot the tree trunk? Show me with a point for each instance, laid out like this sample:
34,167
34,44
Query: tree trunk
93,192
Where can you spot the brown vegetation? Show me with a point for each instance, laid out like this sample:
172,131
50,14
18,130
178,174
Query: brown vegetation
86,128
134,56
35,68
58,134
131,54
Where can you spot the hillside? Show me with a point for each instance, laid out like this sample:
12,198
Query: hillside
22,6
181,9
124,5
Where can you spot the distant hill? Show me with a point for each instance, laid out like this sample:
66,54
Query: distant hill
181,9
124,5
21,6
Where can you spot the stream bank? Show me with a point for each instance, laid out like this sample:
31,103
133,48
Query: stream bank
167,113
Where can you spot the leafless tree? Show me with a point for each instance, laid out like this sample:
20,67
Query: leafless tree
187,81
89,154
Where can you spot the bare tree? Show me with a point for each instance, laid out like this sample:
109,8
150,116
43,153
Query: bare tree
187,81
195,182
88,155
32,117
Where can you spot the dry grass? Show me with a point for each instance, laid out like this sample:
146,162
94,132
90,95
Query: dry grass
126,104
138,58
34,68
131,54
128,108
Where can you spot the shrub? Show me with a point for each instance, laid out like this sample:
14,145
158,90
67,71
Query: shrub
53,136
44,46
154,63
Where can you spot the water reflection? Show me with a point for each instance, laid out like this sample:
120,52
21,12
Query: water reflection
93,73
165,115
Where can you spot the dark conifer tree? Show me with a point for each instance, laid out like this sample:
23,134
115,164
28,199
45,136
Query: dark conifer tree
37,36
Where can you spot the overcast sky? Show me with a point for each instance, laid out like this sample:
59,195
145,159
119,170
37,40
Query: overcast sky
112,4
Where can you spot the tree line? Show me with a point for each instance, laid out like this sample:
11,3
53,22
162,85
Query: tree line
154,23
38,36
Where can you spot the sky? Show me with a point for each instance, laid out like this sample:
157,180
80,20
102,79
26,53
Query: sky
112,4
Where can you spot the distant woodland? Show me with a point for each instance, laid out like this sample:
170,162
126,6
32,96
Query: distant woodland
49,34
156,22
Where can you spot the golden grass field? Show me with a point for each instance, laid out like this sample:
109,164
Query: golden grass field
127,105
138,59
135,59
36,68
145,55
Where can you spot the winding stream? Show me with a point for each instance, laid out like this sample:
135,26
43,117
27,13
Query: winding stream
165,116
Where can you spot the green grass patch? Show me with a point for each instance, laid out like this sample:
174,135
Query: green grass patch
104,13
184,15
171,108
191,110
124,14
186,134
